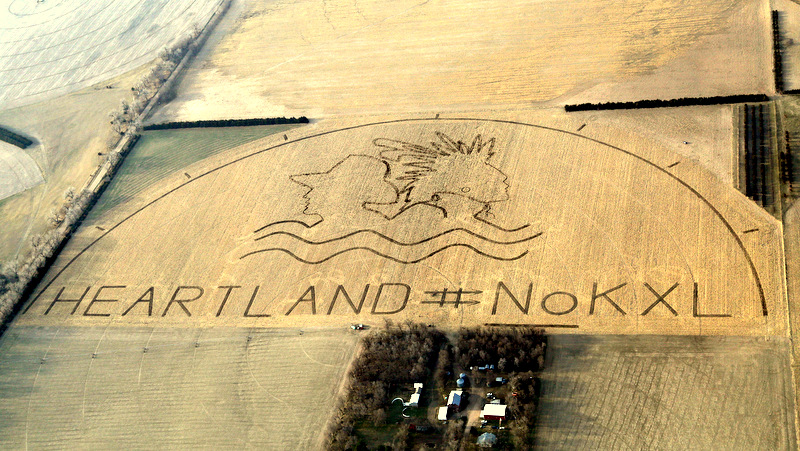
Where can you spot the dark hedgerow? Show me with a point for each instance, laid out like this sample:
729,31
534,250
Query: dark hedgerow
657,103
14,138
228,123
777,52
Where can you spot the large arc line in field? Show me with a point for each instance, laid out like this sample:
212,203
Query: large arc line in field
660,169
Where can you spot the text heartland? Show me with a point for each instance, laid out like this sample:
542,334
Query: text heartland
377,299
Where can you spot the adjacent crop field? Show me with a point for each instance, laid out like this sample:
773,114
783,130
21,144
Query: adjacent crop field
18,171
626,392
376,56
52,48
163,388
160,153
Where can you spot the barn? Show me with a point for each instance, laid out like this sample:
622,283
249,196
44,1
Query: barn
494,412
455,400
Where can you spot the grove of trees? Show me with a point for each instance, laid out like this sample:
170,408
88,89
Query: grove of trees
396,356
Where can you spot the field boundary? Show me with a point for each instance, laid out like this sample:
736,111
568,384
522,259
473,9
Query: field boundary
777,52
105,172
759,156
15,139
227,123
658,103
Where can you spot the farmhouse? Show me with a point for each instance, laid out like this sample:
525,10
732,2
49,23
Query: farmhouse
494,412
414,401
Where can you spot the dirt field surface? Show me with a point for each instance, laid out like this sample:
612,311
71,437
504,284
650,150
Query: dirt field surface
160,153
191,388
704,134
206,301
792,248
626,392
49,48
366,57
518,223
18,171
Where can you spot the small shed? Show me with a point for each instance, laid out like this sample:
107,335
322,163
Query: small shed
442,413
494,412
414,401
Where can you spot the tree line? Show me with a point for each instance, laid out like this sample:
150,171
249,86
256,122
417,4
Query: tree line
397,356
509,349
657,103
16,279
228,123
777,52
14,139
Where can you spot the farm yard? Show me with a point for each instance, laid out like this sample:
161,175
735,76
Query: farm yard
135,387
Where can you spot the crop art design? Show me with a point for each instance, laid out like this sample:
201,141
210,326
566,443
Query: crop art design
406,204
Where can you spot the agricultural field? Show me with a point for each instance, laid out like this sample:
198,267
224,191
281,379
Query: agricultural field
545,239
50,48
206,300
336,58
18,171
159,153
703,134
64,66
193,388
640,392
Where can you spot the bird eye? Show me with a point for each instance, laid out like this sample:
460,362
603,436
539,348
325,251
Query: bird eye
465,189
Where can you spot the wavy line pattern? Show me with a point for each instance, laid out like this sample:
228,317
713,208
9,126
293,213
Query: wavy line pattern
388,257
399,243
288,221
